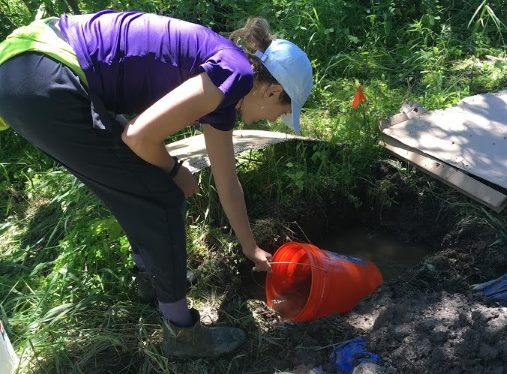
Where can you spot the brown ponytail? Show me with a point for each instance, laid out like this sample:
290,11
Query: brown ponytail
256,36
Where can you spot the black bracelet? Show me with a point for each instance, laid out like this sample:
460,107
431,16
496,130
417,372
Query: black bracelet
176,167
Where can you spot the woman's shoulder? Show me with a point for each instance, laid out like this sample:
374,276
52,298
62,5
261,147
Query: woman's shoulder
233,55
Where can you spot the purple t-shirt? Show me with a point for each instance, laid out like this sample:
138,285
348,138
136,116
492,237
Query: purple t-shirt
132,59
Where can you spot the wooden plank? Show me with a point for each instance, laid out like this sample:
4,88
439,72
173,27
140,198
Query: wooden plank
471,136
448,174
192,150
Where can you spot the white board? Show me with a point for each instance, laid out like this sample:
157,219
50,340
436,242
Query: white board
448,174
471,136
8,358
192,150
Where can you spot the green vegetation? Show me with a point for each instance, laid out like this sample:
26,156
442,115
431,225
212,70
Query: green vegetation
65,282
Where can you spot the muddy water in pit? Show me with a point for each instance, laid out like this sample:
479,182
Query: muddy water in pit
391,255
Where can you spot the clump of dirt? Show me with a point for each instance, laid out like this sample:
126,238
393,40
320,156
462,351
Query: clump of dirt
440,332
427,320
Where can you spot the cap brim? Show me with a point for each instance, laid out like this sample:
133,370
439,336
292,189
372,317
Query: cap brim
293,119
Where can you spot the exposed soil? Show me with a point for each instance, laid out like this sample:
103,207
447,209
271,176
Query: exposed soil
426,320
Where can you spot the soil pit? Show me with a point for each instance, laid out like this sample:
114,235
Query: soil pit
424,318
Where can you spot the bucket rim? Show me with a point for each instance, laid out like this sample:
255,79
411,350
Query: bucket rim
313,257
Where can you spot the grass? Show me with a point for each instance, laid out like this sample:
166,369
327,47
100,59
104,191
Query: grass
66,292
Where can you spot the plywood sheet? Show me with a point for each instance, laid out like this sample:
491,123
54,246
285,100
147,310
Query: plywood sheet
448,174
471,136
193,149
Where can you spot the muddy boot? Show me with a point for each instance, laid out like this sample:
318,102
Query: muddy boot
200,341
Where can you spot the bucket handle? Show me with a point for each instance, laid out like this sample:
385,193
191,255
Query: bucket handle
293,263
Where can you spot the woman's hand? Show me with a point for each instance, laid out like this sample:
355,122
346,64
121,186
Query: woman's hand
260,258
186,182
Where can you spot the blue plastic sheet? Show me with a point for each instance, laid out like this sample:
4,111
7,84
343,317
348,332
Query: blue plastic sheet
494,290
351,353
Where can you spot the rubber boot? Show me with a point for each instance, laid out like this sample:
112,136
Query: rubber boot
200,341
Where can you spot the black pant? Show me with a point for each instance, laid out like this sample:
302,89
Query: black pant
44,102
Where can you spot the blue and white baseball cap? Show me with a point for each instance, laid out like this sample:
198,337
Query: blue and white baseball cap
290,66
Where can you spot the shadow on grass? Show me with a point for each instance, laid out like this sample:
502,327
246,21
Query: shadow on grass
43,230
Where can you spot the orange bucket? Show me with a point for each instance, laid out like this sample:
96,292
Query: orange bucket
306,283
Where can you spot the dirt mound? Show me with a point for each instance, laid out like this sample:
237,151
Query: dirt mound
428,320
440,332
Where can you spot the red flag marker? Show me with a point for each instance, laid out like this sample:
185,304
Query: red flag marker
358,97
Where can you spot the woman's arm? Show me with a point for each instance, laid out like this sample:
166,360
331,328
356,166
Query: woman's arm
223,166
182,106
